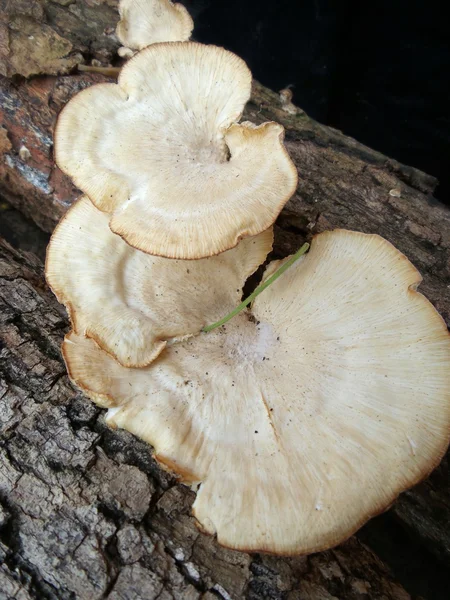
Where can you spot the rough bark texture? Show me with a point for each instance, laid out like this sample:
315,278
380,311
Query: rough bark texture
84,511
52,36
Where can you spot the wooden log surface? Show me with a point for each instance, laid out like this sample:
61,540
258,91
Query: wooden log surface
65,528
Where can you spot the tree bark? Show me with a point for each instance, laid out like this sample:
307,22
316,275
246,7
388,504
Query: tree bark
52,36
84,511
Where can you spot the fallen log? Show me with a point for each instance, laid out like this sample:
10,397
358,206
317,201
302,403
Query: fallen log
53,439
342,184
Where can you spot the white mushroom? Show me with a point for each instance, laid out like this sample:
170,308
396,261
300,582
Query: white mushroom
132,303
299,418
162,153
145,22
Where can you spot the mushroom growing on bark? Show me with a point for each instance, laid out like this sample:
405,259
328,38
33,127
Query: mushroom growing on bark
145,22
303,417
163,154
132,303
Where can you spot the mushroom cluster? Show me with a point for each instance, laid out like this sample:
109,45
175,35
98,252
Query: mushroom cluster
306,413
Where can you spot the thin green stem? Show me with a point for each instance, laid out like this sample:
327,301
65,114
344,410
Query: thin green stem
258,290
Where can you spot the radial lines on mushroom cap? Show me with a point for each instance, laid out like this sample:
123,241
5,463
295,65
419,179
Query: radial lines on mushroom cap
132,303
161,151
145,22
290,417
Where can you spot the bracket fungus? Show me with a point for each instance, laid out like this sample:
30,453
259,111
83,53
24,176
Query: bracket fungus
306,415
161,151
145,22
132,303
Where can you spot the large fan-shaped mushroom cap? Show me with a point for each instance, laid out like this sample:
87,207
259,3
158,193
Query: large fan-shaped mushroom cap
309,417
145,22
132,303
162,153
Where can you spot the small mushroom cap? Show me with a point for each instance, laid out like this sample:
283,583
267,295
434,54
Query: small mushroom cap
145,22
162,153
306,420
132,303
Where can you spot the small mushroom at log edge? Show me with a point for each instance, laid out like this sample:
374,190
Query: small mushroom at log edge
152,21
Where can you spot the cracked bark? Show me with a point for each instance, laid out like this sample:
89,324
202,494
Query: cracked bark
86,513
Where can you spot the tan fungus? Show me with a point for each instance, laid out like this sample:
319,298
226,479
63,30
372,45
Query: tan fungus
132,303
304,417
145,22
163,154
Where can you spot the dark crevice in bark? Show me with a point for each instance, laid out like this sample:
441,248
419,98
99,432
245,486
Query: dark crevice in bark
137,454
408,557
23,572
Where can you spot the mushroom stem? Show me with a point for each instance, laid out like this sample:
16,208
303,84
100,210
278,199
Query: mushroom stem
258,290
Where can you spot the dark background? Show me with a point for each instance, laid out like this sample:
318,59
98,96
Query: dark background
376,70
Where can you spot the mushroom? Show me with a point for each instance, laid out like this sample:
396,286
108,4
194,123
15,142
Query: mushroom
161,151
304,417
132,303
145,22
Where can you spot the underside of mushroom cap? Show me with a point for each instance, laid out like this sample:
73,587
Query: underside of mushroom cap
132,303
162,153
145,22
306,418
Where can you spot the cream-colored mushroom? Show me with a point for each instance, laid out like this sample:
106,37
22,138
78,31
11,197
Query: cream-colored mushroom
145,22
132,303
161,151
304,417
